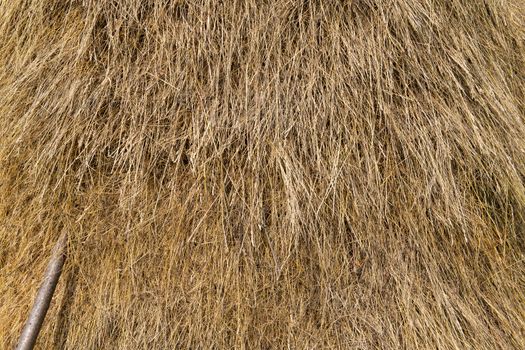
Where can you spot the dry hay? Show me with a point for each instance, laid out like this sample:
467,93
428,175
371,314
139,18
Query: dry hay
265,174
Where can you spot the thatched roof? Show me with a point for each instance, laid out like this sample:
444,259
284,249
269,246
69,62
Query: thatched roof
265,174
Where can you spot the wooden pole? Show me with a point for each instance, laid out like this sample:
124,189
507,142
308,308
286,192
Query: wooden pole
34,322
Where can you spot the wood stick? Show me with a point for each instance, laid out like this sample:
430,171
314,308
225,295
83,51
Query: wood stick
34,322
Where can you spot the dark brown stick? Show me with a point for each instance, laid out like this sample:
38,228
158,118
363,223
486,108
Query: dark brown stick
43,298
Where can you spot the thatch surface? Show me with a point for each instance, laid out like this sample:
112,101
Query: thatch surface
265,174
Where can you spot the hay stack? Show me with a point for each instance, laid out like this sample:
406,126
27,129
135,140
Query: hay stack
265,174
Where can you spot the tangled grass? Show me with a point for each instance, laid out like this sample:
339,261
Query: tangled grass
265,174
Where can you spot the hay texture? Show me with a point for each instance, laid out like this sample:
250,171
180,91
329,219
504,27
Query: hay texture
265,174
